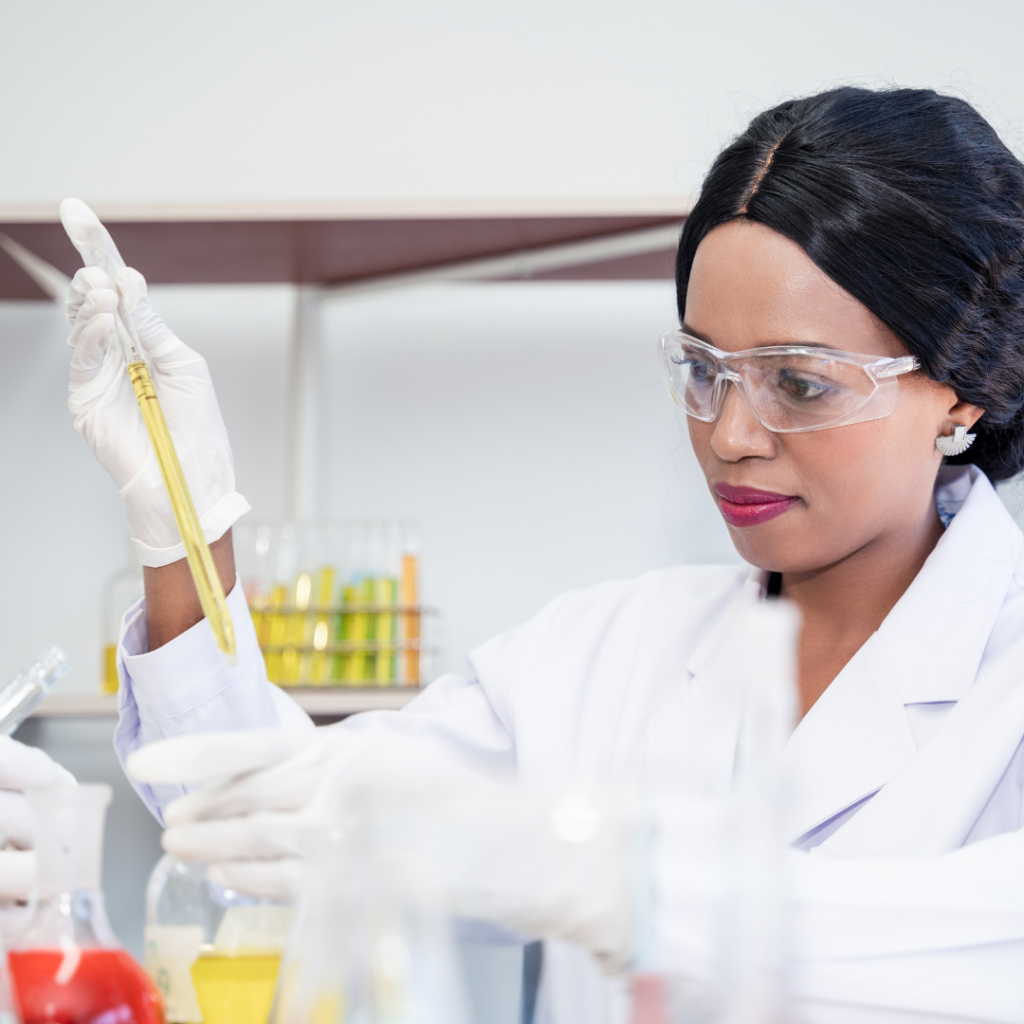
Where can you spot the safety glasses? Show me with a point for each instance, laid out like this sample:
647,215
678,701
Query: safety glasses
789,388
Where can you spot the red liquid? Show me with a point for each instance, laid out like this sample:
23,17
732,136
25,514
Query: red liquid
106,987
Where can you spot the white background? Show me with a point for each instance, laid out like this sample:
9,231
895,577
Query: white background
318,100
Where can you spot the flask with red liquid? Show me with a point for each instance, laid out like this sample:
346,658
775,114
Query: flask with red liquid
67,965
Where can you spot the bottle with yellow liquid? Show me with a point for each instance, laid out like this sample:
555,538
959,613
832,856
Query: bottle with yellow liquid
123,589
235,976
212,953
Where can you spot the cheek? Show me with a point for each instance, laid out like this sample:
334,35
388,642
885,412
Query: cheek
866,477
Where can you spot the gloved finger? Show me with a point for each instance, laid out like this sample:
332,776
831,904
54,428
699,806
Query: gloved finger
267,879
285,786
156,337
16,823
248,795
263,836
89,236
98,301
17,874
203,757
93,339
23,767
84,281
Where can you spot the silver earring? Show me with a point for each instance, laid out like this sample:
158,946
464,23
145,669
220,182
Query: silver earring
957,442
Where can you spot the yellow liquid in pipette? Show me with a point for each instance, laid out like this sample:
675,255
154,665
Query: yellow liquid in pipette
236,988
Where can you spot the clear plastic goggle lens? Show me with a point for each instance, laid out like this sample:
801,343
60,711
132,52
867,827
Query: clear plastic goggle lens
788,388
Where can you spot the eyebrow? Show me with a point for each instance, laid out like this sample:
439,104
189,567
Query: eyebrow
687,329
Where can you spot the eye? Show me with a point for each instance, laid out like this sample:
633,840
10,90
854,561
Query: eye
701,371
800,387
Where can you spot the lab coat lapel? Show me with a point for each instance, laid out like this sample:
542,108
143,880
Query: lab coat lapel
931,647
854,739
857,736
691,744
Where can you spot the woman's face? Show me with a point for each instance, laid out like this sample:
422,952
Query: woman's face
851,485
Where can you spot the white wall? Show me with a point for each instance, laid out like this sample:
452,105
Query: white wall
524,425
319,100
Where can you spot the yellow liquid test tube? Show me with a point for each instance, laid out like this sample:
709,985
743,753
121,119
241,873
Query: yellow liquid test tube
197,551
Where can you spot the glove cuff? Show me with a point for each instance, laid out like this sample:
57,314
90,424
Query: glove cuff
217,521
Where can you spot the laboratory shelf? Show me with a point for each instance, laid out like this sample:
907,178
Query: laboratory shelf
319,702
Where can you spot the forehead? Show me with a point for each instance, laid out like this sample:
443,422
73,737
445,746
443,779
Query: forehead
750,286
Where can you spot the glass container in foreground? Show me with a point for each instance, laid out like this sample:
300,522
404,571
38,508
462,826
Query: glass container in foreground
67,965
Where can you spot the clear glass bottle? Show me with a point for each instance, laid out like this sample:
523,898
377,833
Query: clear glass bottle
369,944
67,964
181,917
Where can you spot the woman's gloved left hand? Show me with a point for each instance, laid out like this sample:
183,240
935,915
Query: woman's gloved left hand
552,865
21,768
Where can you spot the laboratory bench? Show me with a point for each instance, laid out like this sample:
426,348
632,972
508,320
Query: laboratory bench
321,703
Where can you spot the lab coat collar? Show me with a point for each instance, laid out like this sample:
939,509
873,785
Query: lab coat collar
932,641
857,736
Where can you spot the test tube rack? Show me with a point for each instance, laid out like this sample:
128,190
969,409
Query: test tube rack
354,622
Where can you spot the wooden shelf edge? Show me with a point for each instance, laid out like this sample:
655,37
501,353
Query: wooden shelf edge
319,702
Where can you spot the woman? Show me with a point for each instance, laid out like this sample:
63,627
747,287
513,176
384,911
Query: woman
851,292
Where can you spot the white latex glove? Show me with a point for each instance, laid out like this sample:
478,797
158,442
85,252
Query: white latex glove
106,413
21,768
552,866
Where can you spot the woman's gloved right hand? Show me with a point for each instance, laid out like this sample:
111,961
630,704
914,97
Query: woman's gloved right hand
106,413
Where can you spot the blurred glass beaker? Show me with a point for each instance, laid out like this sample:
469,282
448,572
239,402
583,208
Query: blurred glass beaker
369,945
67,964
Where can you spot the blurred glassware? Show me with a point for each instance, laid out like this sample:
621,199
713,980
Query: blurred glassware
716,927
212,952
236,974
26,691
67,964
370,945
336,604
181,916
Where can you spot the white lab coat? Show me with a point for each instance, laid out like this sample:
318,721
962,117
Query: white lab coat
915,749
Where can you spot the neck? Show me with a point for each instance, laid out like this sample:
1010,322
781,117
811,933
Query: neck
844,603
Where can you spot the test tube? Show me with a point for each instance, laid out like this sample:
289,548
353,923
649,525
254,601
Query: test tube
22,695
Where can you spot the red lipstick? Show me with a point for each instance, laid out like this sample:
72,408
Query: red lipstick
746,506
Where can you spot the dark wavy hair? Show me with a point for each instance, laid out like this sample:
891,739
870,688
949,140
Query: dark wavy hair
908,200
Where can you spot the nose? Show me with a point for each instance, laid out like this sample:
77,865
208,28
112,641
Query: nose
738,433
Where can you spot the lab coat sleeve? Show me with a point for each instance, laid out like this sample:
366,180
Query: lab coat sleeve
188,686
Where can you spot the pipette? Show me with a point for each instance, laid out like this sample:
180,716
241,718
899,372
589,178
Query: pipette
97,249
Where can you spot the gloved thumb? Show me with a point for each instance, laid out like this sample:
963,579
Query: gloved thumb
210,756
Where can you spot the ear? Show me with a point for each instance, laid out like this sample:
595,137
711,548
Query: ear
964,413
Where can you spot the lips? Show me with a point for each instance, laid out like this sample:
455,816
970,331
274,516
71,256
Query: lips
746,506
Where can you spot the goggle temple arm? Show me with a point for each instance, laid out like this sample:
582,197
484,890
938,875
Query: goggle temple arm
894,367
